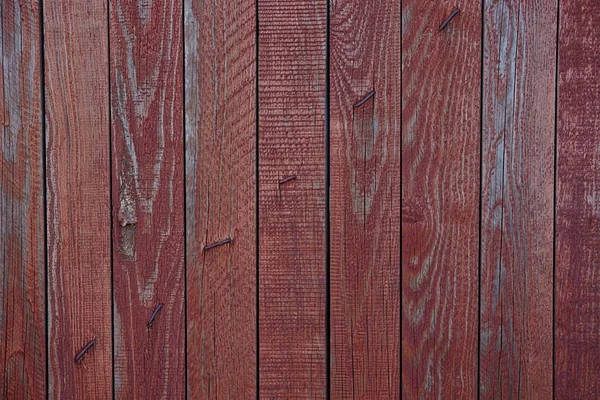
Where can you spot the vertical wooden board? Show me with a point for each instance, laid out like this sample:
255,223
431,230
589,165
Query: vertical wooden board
365,199
440,198
22,230
220,39
146,81
291,142
78,198
577,308
517,199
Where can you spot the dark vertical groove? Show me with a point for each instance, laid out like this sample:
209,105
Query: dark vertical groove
44,190
401,195
185,236
110,203
256,207
554,200
481,100
327,210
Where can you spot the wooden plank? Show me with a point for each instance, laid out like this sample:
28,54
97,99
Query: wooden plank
78,198
291,86
220,40
22,230
577,308
517,199
365,199
146,78
440,198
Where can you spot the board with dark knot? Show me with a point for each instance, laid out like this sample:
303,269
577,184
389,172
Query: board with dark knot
146,87
441,83
365,199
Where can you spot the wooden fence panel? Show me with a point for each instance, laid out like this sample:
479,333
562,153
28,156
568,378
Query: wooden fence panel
220,101
78,199
577,290
22,224
146,78
365,199
441,84
517,199
291,143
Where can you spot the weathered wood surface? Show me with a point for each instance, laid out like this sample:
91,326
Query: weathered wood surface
577,290
517,199
146,78
291,142
78,198
22,229
365,199
440,198
220,39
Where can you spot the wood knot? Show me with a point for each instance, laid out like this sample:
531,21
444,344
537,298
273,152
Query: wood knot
412,213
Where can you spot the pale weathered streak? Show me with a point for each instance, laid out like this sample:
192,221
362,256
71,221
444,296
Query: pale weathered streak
517,199
22,270
220,103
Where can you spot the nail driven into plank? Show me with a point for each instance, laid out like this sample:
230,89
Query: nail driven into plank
217,244
450,17
365,99
82,353
287,179
154,314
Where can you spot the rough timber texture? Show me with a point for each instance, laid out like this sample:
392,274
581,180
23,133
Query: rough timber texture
146,78
365,199
517,199
78,207
220,91
577,290
22,249
291,142
440,198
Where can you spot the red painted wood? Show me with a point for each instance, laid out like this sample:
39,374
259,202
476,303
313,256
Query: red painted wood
22,229
146,60
78,207
577,290
365,199
220,100
291,84
441,86
517,199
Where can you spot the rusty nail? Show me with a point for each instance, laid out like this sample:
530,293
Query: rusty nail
82,353
222,242
453,14
287,179
364,100
154,314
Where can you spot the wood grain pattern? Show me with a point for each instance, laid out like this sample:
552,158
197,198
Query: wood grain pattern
440,198
577,290
365,199
291,85
221,197
146,78
517,199
78,207
22,229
